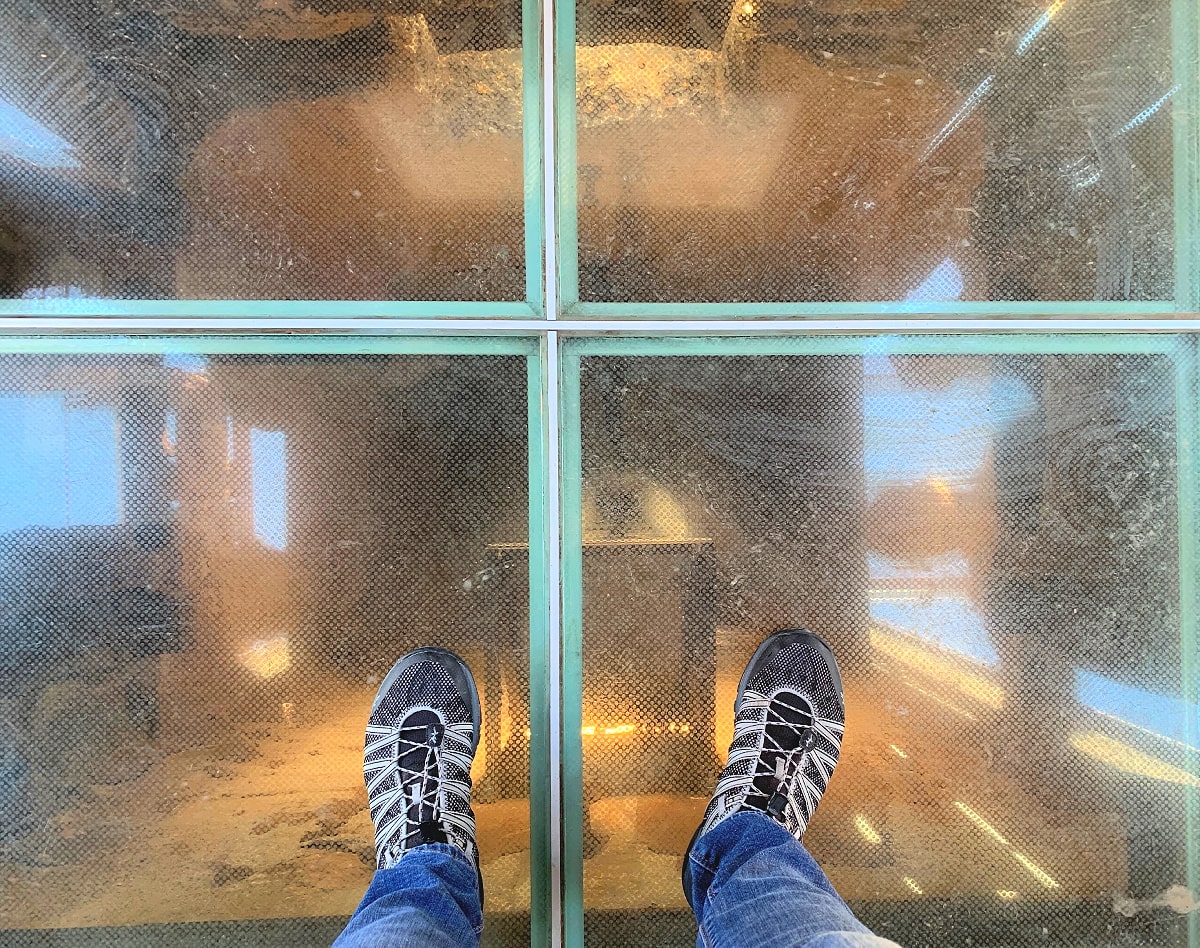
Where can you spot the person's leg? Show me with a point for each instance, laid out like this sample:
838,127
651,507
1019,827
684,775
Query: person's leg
753,883
430,898
747,876
421,739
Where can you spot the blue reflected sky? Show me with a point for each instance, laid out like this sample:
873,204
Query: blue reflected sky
60,464
945,433
268,479
186,362
950,622
951,565
1164,715
29,140
171,429
919,434
915,434
943,285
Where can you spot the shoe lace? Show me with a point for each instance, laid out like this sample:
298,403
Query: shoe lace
787,743
420,784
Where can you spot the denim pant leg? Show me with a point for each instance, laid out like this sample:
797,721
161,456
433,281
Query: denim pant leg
754,884
429,899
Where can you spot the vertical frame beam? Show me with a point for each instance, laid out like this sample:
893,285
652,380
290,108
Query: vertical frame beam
548,182
1185,58
565,166
572,651
543,588
532,137
1185,353
542,473
1187,421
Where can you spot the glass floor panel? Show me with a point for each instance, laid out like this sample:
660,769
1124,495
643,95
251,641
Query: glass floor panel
244,150
990,545
877,150
206,566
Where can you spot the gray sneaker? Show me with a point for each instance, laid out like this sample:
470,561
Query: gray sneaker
788,722
421,740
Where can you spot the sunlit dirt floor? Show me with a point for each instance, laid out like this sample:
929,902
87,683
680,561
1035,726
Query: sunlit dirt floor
272,822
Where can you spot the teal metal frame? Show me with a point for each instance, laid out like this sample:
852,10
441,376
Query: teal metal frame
1012,309
158,343
1188,427
541,562
566,165
571,649
1184,352
293,309
1185,57
533,155
553,404
544,424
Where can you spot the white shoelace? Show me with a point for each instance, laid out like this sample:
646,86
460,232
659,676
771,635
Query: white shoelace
789,770
438,780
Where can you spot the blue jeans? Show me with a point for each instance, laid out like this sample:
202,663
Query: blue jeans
429,899
753,884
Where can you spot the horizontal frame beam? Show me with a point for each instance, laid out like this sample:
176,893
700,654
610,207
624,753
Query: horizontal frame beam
240,309
279,344
384,327
867,310
442,311
883,344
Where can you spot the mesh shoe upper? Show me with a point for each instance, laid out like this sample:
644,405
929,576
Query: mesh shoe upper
420,742
787,734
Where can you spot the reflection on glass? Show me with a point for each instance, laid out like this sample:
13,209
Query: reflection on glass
884,150
943,285
268,474
206,565
1161,715
59,467
261,150
27,140
990,546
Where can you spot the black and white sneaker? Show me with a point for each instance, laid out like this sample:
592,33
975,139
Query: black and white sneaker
787,734
421,739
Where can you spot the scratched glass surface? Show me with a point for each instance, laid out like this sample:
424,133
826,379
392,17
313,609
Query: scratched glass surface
829,150
214,149
989,544
206,566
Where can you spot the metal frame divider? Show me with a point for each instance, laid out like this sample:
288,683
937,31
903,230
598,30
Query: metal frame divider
553,366
1185,54
1187,408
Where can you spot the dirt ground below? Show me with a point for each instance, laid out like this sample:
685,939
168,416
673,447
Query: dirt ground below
270,823
273,822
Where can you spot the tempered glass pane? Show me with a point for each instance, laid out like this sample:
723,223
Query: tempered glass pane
876,150
206,566
210,149
990,545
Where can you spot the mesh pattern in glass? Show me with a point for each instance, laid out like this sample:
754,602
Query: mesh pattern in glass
212,150
207,564
989,545
878,150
